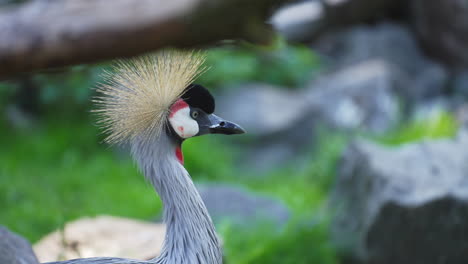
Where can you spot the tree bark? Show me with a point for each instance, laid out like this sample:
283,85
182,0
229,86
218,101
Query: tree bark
54,33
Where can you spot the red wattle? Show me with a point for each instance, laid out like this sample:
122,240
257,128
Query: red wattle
179,104
179,155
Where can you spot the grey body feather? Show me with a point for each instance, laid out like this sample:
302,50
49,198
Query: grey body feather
191,236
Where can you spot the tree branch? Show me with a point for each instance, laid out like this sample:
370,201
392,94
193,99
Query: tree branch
54,33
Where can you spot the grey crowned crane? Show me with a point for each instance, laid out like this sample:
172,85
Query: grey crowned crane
151,104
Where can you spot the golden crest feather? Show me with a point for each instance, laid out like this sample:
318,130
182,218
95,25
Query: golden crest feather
135,98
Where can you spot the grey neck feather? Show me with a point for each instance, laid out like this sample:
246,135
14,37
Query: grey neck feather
190,237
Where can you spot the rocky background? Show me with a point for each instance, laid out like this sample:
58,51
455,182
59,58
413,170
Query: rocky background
392,60
357,149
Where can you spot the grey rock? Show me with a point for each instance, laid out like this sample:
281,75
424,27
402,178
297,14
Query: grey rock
405,204
360,96
427,83
432,109
261,109
341,13
241,207
269,154
297,21
15,249
442,27
280,122
392,43
461,114
308,20
373,68
284,122
102,236
460,83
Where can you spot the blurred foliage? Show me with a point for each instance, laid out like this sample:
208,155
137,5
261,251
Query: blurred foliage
4,3
72,87
281,64
440,125
58,172
6,92
303,242
69,90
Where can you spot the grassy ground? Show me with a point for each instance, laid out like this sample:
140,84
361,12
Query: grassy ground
59,172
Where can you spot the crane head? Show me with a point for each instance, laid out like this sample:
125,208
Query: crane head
143,96
193,115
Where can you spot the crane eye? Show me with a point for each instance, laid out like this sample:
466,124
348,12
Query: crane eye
194,114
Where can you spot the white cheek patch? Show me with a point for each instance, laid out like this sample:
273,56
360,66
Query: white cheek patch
183,124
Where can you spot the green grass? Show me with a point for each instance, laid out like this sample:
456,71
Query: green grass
301,242
441,125
59,172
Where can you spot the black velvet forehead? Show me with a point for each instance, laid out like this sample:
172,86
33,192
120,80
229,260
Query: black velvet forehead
198,96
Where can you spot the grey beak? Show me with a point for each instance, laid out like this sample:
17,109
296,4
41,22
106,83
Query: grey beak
221,126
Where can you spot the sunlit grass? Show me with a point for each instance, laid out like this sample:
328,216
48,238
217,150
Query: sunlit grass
440,125
59,172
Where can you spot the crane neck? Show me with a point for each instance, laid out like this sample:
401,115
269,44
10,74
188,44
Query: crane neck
190,234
